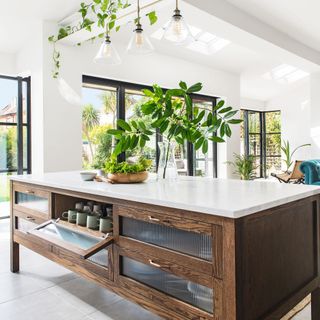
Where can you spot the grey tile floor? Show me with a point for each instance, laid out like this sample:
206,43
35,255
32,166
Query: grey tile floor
45,290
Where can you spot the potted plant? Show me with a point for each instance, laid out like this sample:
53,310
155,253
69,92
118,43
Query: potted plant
125,172
177,121
244,166
285,147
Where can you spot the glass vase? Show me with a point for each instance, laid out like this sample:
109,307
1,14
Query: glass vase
167,168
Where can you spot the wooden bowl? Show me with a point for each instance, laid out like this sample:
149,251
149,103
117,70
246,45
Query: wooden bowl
127,177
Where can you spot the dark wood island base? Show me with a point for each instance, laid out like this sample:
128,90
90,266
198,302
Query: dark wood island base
182,264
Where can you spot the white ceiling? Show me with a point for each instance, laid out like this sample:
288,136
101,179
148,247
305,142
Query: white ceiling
18,19
245,55
297,18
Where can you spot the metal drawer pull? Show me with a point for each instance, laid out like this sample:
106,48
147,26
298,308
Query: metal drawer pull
30,218
29,191
153,219
154,264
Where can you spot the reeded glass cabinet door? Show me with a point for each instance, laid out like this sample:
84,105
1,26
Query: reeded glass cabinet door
32,201
191,243
170,284
85,245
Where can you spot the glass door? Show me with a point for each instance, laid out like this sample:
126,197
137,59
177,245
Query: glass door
14,134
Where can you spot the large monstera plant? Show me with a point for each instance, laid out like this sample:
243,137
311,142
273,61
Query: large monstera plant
176,119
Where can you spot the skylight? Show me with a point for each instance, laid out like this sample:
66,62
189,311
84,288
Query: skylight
202,42
285,73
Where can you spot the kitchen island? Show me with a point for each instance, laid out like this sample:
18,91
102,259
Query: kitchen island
199,248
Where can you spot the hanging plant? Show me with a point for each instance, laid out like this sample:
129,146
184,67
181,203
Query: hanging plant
104,12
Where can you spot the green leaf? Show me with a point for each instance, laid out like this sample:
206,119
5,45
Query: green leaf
174,93
118,148
145,137
164,126
115,132
195,88
117,28
209,119
199,143
183,85
134,124
134,141
142,125
219,105
222,129
228,130
216,139
142,142
124,125
148,93
200,117
148,108
152,17
224,110
126,144
205,146
188,101
235,121
230,114
179,140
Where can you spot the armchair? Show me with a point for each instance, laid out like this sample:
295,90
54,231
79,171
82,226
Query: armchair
311,170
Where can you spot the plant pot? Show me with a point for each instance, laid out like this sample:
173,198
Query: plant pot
127,177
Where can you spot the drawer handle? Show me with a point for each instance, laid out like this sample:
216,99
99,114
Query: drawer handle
29,191
153,219
30,218
154,264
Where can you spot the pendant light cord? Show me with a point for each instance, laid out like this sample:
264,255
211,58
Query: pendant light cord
138,11
177,5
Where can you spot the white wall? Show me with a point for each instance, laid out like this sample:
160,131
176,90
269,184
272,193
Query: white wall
295,117
252,104
56,110
7,64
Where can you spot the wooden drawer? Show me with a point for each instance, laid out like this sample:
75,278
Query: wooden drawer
25,222
93,251
32,200
185,237
187,291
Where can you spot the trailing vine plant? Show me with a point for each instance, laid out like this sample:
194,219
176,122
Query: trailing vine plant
104,12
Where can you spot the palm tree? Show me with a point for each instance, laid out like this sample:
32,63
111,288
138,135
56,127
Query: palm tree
90,119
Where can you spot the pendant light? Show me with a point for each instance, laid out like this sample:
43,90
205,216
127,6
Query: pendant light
107,53
177,29
139,42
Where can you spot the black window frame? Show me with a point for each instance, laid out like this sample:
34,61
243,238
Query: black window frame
122,86
263,138
20,125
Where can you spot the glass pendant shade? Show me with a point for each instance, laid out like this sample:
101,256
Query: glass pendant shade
139,43
107,54
177,30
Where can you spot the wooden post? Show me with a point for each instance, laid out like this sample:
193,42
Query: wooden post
14,247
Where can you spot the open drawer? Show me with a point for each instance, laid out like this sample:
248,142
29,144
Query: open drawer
95,249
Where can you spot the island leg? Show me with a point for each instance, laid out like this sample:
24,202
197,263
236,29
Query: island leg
14,257
315,304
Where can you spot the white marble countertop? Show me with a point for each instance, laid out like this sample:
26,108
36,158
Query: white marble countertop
221,197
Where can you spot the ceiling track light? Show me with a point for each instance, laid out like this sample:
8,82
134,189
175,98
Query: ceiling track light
177,29
139,43
107,53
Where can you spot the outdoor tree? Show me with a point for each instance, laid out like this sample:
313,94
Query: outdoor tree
90,119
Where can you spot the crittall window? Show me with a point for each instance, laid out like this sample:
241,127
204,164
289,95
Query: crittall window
105,101
261,138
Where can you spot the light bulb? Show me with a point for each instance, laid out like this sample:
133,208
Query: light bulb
139,43
139,38
177,29
107,53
